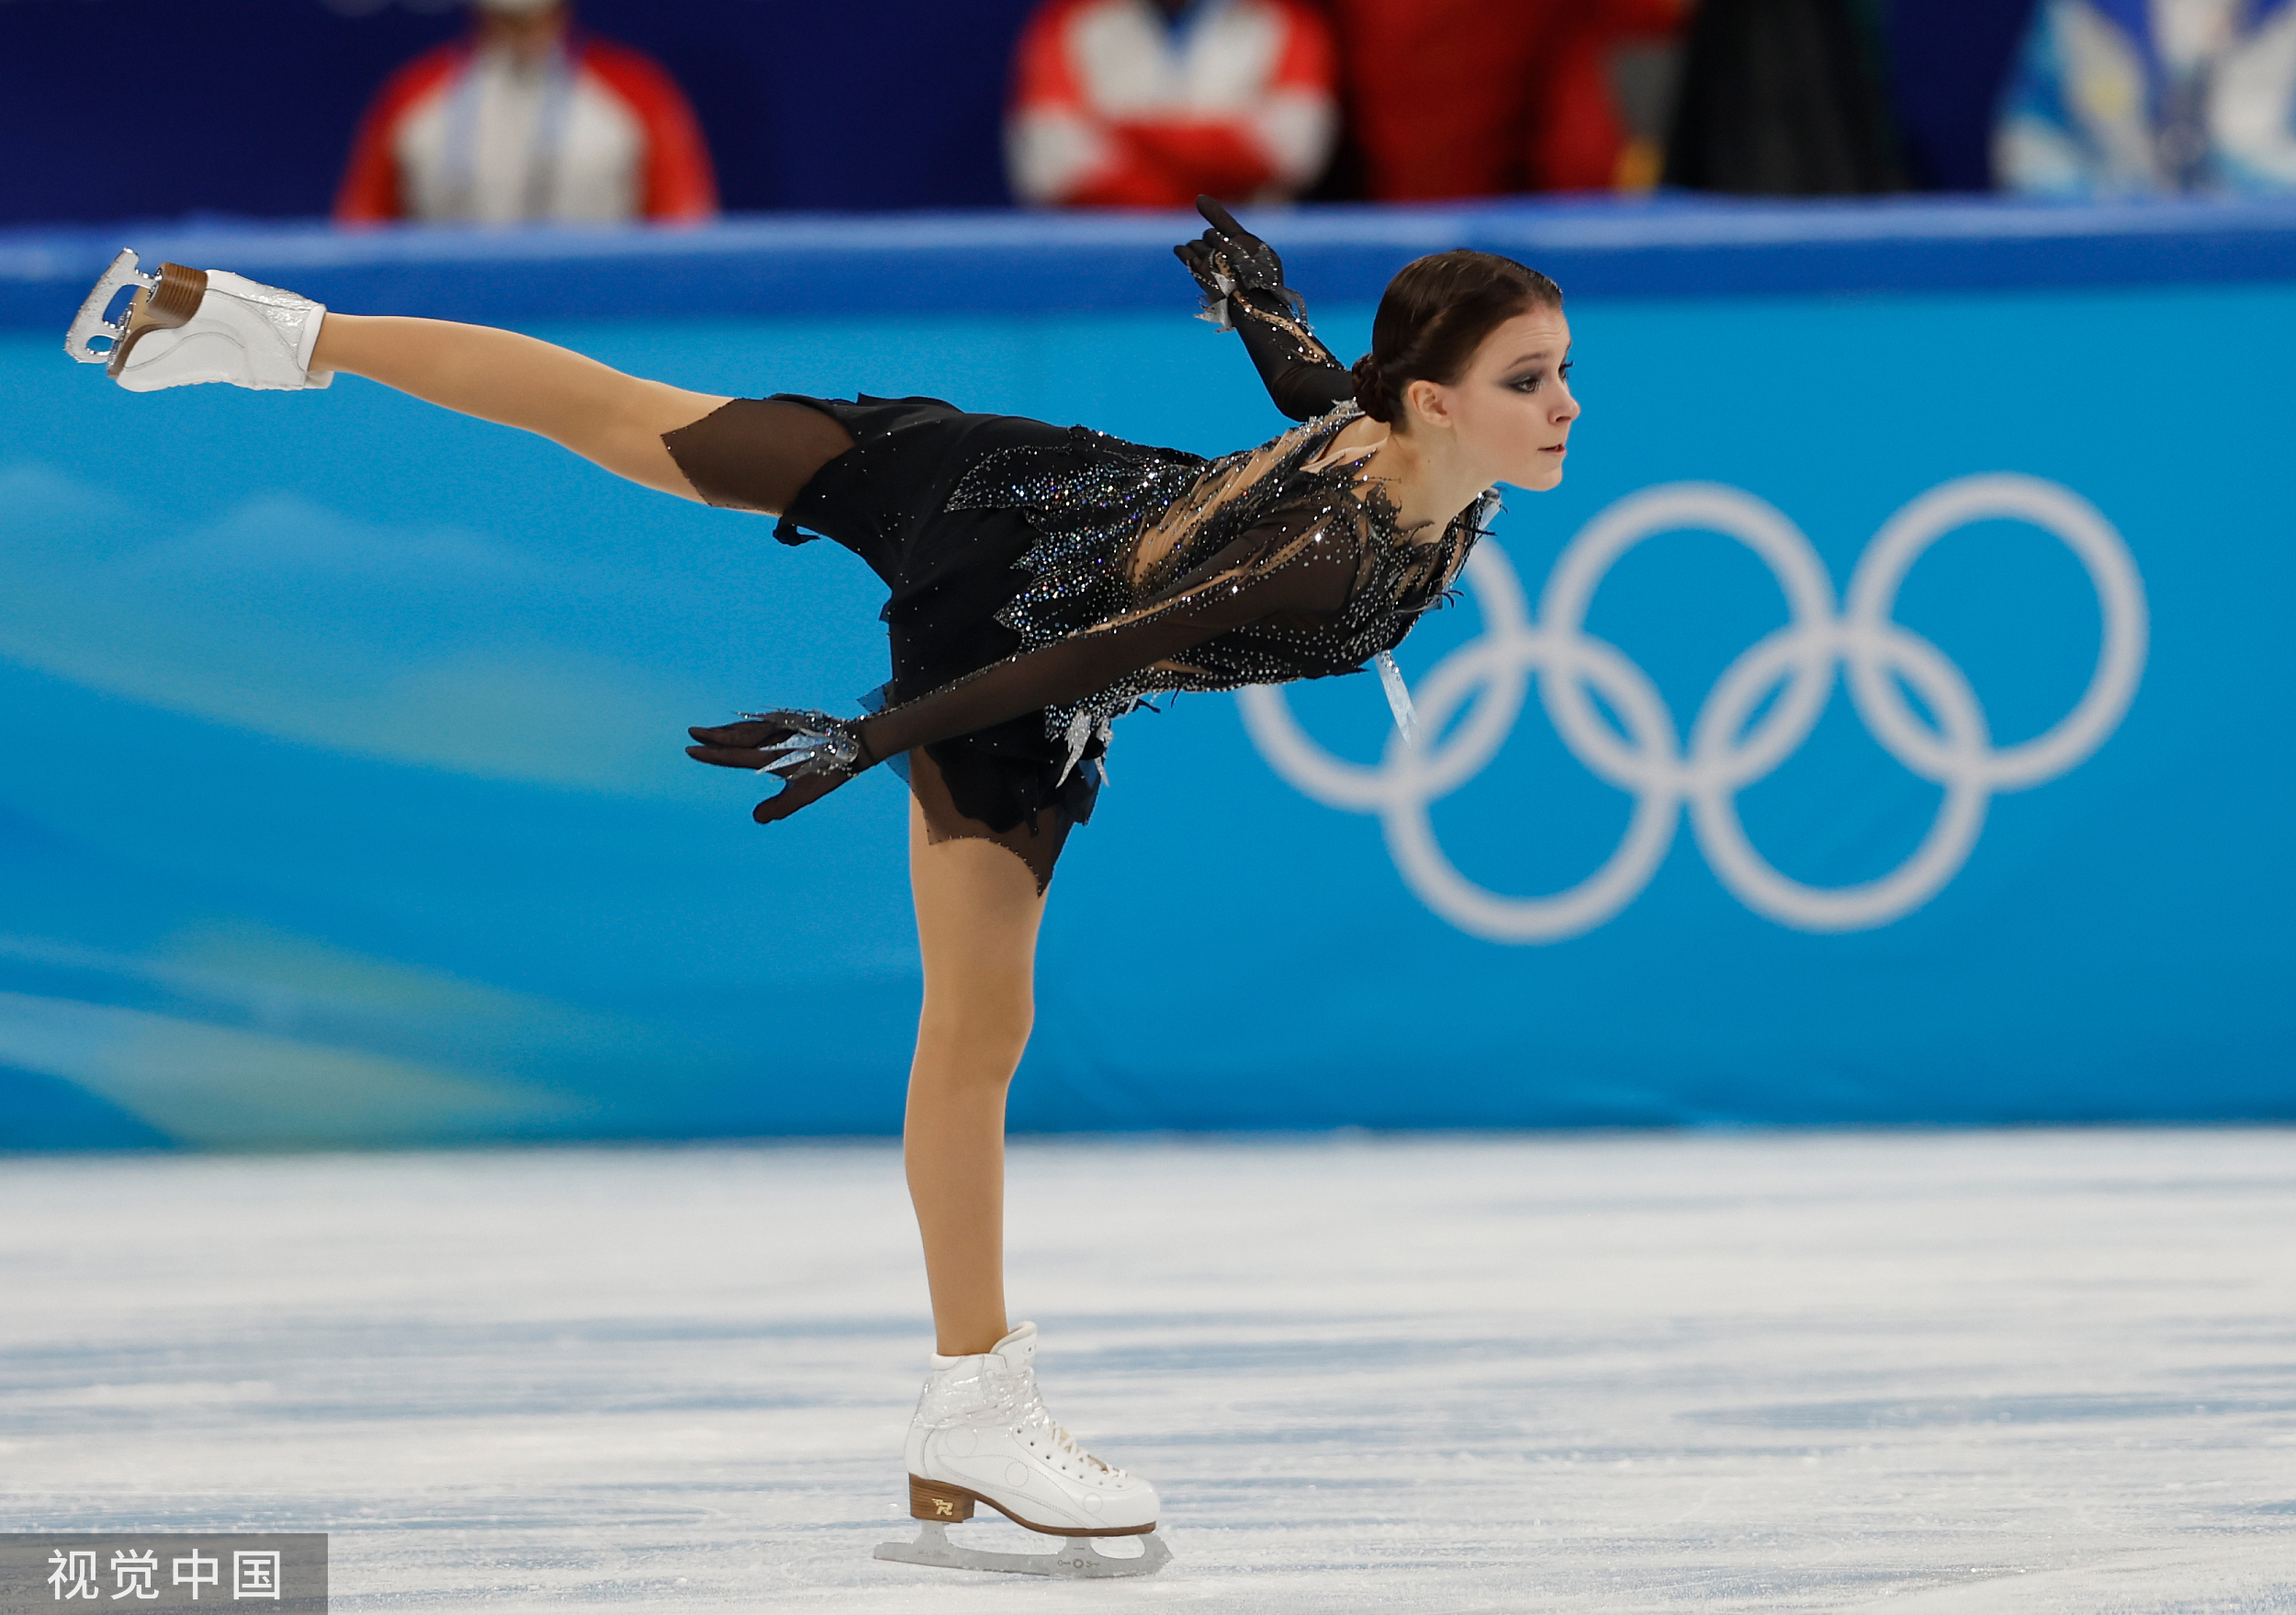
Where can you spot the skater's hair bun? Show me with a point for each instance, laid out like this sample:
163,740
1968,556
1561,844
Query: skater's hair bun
1371,394
1434,316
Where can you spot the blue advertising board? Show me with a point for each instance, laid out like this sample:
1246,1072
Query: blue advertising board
1886,722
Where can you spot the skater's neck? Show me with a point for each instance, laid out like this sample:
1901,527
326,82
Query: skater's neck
1427,480
1430,481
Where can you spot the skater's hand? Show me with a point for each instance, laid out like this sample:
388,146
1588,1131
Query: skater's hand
813,752
1229,258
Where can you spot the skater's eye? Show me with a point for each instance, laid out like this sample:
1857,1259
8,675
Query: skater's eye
1530,381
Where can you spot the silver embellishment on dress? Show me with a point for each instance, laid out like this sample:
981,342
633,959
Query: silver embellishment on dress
1398,697
1118,524
1080,732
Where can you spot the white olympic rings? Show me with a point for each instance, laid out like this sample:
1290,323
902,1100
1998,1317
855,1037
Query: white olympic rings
1736,740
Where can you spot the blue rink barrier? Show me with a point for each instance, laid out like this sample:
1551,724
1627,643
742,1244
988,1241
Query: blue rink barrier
1886,722
1024,264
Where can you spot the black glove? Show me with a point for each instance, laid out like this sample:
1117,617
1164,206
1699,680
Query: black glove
812,751
1227,259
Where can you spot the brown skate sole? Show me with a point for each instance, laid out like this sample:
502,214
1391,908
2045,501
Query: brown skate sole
167,306
942,1502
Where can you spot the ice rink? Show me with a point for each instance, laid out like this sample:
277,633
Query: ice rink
1926,1372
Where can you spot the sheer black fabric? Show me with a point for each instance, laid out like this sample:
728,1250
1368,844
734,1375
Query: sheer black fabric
1301,374
1044,580
755,454
1118,547
1233,590
1242,279
1036,842
881,496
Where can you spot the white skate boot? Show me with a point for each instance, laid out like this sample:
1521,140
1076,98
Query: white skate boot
982,1435
194,325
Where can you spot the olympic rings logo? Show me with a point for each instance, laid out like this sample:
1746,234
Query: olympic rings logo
1736,739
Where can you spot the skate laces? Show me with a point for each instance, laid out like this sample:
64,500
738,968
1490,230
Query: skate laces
1034,1413
995,1393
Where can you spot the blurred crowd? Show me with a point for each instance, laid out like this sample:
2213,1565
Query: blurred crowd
528,118
2123,97
1147,103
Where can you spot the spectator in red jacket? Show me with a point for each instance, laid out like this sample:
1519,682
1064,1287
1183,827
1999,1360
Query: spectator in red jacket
1152,103
528,119
1475,98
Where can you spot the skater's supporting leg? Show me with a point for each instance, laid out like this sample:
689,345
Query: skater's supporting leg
592,409
977,909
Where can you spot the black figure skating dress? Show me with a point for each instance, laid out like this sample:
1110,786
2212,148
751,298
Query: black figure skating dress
1045,579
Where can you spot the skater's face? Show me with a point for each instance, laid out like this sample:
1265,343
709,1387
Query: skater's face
1509,411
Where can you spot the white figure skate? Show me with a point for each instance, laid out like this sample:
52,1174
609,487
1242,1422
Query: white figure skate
982,1435
186,326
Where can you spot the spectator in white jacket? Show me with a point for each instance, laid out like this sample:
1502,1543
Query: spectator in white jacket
1152,103
2127,97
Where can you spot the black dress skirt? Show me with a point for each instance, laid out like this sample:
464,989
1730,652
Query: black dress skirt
949,572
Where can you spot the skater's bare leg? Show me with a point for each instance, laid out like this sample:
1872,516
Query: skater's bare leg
977,911
596,410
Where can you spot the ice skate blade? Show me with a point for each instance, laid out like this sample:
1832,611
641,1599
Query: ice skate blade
173,298
90,323
1078,1556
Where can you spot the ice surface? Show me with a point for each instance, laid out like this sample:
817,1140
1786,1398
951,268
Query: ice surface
2024,1372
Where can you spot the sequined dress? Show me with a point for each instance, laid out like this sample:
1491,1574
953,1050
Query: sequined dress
1044,581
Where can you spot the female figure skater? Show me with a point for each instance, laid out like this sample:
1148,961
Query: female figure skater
1043,581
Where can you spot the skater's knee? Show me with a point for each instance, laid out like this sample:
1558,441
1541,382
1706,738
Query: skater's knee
981,1035
980,1021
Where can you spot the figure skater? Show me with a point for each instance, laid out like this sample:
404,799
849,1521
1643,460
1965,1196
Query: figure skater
1044,580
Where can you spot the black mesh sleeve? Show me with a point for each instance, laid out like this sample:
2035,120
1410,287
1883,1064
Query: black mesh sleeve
1301,374
755,454
1268,572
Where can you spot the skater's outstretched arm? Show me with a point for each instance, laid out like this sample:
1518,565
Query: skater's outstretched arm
1298,371
601,414
1242,282
1272,573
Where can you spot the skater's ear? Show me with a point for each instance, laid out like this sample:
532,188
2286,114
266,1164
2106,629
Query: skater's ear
1434,315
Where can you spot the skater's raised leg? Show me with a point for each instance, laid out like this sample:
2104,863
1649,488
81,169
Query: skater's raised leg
187,326
747,454
615,420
